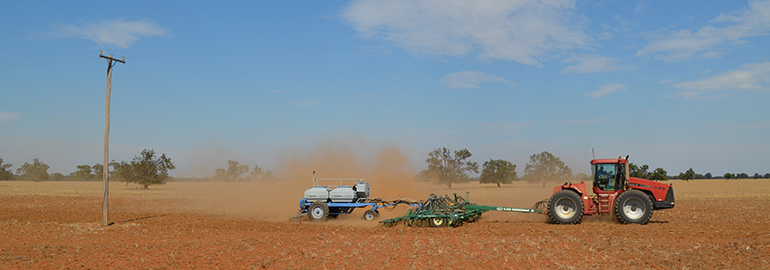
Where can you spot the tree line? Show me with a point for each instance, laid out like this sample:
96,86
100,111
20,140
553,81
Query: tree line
237,172
147,168
444,166
447,167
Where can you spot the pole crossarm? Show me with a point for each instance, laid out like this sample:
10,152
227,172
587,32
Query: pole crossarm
109,57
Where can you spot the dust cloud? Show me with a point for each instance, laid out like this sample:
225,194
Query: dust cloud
387,170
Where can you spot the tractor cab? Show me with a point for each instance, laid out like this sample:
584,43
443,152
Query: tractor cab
610,175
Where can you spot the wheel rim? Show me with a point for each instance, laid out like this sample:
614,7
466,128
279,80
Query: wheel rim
438,221
317,212
369,216
565,208
633,208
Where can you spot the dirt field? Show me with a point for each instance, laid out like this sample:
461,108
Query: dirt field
716,224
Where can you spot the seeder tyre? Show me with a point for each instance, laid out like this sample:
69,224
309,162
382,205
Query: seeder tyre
633,207
437,222
566,207
318,211
370,215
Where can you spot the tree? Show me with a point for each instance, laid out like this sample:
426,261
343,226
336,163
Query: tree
658,174
37,171
742,176
146,169
756,176
258,174
233,171
767,175
5,171
450,168
98,170
688,175
546,167
498,171
120,171
708,176
84,172
58,177
729,176
638,171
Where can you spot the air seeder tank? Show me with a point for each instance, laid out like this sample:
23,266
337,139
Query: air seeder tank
340,193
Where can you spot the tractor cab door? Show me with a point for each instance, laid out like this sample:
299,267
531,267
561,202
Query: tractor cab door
608,176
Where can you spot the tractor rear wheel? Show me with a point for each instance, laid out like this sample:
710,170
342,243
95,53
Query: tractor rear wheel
633,207
565,207
318,211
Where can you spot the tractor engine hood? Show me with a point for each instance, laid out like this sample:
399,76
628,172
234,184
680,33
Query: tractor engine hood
662,195
633,181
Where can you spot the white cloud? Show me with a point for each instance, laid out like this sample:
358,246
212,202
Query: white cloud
641,7
7,117
608,89
751,21
592,64
667,81
753,76
121,33
471,79
526,31
307,103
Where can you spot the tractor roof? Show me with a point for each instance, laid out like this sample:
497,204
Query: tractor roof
609,161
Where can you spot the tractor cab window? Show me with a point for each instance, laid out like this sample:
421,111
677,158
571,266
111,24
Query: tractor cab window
605,176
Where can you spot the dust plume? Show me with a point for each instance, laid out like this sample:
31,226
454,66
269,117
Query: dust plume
387,170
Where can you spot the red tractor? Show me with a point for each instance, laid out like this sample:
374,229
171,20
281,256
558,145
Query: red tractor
631,199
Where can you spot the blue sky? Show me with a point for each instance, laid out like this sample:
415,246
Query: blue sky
674,84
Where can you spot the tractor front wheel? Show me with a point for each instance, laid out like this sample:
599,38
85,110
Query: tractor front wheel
565,207
633,207
318,211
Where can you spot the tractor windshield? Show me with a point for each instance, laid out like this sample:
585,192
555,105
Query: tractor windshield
606,175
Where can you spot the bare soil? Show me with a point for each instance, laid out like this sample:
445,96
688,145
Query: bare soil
716,224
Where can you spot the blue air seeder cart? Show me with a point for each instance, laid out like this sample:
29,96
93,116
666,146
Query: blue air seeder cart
340,196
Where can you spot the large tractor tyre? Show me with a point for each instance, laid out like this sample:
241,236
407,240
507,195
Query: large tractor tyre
436,222
318,211
633,207
370,215
566,207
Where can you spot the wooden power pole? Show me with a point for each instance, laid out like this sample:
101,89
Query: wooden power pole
105,170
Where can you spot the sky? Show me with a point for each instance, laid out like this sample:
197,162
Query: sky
673,84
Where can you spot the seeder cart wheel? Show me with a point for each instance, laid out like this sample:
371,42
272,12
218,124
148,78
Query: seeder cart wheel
437,222
370,215
318,211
